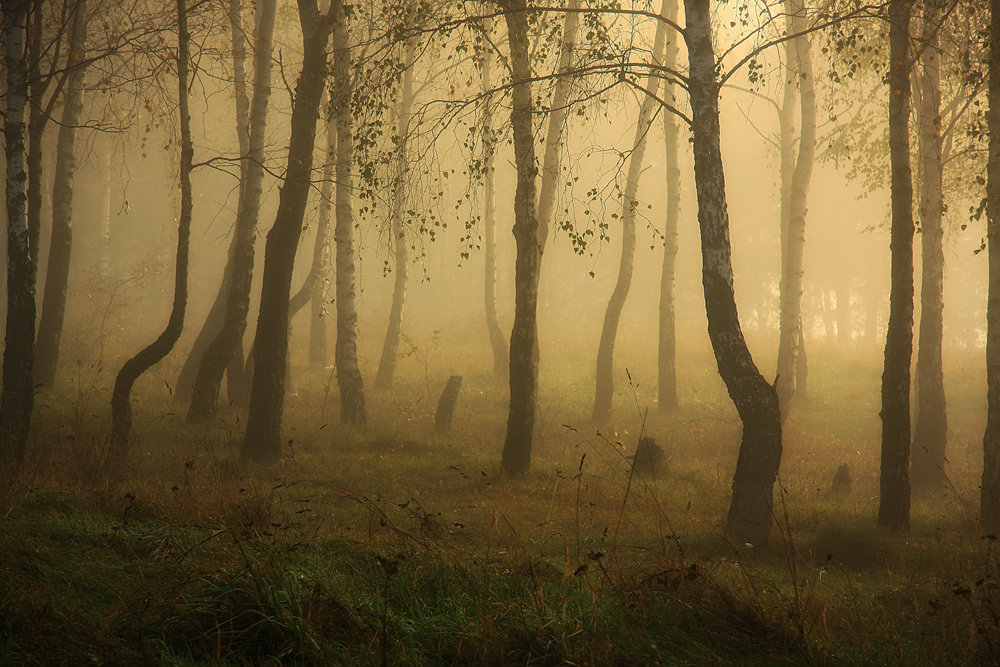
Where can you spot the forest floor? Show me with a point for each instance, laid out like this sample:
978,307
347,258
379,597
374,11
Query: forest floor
393,545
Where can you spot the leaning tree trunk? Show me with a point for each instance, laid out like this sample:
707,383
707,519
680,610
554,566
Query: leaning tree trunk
894,483
228,342
667,340
795,181
17,397
931,425
50,326
501,358
605,385
516,457
989,502
397,228
352,386
756,401
262,440
121,397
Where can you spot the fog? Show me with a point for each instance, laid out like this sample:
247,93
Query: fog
354,500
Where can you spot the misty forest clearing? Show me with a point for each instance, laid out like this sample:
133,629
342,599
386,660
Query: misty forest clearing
438,332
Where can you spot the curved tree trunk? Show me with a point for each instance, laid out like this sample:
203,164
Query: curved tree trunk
17,397
989,502
667,341
121,397
516,458
50,325
390,346
605,385
352,387
262,440
795,179
931,424
894,484
228,341
501,358
750,510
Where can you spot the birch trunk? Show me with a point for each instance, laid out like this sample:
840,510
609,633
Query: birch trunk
501,358
989,502
121,397
226,348
516,457
605,385
931,424
17,394
667,340
352,388
50,325
390,346
750,510
317,319
894,483
795,180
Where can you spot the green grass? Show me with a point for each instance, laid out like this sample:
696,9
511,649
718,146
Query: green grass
390,543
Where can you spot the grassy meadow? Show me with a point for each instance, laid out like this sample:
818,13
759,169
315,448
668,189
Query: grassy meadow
394,545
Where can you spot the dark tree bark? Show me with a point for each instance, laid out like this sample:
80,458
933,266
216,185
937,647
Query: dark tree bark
667,339
17,397
750,510
349,379
390,346
228,342
931,425
262,440
498,341
121,397
516,457
605,385
894,484
989,502
50,325
37,120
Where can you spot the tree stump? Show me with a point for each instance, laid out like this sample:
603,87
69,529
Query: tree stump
841,480
446,404
648,457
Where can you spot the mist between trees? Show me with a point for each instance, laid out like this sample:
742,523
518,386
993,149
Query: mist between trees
594,213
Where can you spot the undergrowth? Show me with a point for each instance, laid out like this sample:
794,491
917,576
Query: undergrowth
393,545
